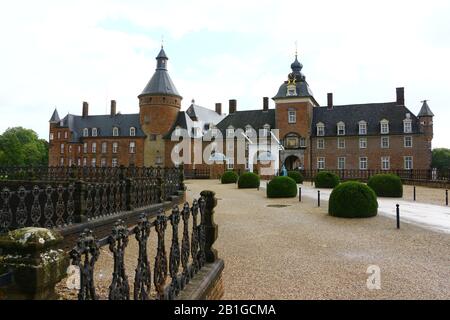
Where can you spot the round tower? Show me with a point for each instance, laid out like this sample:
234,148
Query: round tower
159,105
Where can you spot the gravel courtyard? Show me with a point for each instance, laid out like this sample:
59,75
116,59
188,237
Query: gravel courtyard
299,252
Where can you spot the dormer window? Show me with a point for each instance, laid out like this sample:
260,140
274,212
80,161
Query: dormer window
341,128
320,129
363,127
291,90
115,132
132,132
407,126
94,132
248,131
266,130
384,126
85,132
230,132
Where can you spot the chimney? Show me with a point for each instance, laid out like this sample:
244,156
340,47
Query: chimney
330,101
400,96
265,104
85,109
219,108
232,106
113,108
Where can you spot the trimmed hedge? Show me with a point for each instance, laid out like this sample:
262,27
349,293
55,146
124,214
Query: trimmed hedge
386,185
325,179
297,176
229,177
248,180
282,187
353,200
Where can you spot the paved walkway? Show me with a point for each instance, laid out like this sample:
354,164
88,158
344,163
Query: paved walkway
283,249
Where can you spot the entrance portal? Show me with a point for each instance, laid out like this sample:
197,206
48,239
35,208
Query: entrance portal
292,163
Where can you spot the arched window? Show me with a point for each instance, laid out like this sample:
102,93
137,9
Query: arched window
132,131
230,132
115,132
85,132
94,132
407,124
362,127
320,129
384,126
341,128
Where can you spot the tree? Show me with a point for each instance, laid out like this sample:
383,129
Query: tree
441,159
22,147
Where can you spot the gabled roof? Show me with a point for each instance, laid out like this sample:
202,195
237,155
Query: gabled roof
425,111
255,118
55,117
372,113
203,114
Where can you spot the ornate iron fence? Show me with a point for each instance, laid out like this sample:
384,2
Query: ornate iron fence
189,255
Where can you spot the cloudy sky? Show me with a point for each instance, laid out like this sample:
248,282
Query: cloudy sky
61,53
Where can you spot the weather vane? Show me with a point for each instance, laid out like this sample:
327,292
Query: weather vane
296,49
162,41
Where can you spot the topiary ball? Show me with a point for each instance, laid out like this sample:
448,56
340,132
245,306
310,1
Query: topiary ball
282,187
229,177
386,185
353,200
297,176
248,180
325,179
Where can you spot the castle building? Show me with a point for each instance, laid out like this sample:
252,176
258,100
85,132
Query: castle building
382,136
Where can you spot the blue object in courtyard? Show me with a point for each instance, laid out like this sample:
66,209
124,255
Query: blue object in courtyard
283,171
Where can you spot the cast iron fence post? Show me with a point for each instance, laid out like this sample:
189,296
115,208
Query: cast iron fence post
80,214
210,227
300,194
318,198
398,216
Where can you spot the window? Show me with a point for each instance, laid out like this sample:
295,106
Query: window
104,147
51,135
266,130
408,142
385,142
94,147
177,131
158,160
363,163
248,131
61,161
230,164
65,135
341,163
321,163
302,142
94,132
362,143
246,164
407,126
341,129
103,162
115,147
320,144
115,132
132,131
85,147
320,129
291,142
70,149
292,116
384,125
408,162
114,162
214,132
132,147
85,132
59,135
230,132
62,148
79,162
341,143
84,162
93,162
385,163
152,137
362,127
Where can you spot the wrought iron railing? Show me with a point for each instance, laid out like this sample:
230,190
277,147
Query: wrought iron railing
184,261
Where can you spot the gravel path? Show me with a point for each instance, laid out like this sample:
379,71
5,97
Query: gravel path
299,252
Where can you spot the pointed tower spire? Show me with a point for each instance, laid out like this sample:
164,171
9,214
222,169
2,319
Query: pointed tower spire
425,111
55,117
161,60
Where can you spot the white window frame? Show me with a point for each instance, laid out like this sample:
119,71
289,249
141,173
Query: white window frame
362,127
103,162
59,134
61,148
292,116
361,144
406,161
115,147
94,147
51,136
405,139
382,139
230,132
114,162
230,164
339,141
104,147
362,161
266,130
321,163
302,142
84,162
407,126
85,147
132,147
94,132
320,129
85,132
132,131
65,135
386,160
115,132
341,129
384,126
321,143
61,161
93,162
339,166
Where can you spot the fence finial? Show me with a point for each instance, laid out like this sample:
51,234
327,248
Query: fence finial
211,228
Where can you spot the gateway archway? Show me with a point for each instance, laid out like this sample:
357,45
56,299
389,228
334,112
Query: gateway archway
292,163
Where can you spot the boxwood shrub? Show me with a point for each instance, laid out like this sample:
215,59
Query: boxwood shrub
386,185
297,176
282,187
248,180
229,177
353,200
325,179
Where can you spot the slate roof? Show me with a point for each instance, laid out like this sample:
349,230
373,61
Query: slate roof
425,111
104,125
240,119
203,114
372,113
55,117
303,90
